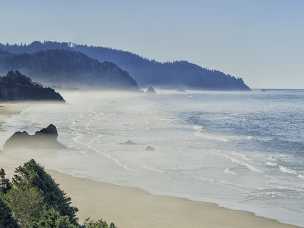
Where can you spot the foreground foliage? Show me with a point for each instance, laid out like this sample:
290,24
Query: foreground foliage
33,199
6,218
98,224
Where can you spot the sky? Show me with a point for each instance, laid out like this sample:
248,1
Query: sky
261,41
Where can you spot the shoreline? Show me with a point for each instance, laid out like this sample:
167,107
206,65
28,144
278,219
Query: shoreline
131,207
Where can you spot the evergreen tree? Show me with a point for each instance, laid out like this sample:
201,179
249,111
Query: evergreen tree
34,175
6,218
4,182
34,200
26,203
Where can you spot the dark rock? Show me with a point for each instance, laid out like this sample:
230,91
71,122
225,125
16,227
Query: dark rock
51,131
151,90
46,138
17,87
150,148
128,142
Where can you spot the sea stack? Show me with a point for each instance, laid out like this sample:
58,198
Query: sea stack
46,138
151,90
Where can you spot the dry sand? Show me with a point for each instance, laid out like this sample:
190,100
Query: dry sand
133,208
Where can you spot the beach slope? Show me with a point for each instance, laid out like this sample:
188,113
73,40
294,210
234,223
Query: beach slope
134,208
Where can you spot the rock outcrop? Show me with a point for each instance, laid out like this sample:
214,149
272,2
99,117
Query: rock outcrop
17,87
149,148
46,138
50,131
151,90
128,142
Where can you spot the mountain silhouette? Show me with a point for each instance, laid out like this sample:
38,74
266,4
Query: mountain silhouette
177,74
66,68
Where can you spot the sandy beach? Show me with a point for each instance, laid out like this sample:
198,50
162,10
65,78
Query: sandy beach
134,208
130,207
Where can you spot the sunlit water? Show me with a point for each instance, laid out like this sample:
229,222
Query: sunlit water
241,150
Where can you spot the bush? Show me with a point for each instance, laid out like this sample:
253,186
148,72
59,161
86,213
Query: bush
52,219
99,224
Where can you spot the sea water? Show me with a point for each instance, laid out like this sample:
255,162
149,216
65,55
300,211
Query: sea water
242,150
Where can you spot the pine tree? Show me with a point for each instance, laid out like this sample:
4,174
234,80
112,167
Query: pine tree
6,218
4,183
34,175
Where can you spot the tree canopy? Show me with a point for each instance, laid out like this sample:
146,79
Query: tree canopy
35,200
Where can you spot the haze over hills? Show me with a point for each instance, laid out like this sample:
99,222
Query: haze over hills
178,74
66,68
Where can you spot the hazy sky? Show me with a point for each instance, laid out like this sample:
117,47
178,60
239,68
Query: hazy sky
259,40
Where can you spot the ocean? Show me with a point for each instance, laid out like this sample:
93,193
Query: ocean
241,150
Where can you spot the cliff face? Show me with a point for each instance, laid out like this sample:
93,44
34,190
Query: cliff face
17,87
177,74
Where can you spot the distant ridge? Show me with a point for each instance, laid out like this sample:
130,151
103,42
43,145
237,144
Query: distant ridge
67,68
177,75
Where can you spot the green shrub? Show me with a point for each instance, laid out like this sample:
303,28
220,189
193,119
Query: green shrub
97,224
52,219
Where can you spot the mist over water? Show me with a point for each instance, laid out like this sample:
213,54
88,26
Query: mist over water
243,150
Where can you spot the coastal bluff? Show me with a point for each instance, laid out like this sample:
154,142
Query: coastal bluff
18,87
